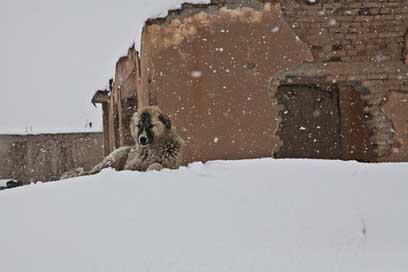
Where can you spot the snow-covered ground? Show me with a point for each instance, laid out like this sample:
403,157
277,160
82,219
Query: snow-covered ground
251,215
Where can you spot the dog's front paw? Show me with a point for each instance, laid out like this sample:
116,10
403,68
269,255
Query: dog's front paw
155,166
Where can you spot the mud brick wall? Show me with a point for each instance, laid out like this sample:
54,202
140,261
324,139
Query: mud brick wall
45,157
372,35
217,69
376,85
123,101
350,31
185,74
199,68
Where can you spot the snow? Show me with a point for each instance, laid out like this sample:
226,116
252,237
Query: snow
196,74
332,22
3,182
249,215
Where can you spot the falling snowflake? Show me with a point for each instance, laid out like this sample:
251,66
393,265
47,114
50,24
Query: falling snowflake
216,140
275,29
380,57
196,74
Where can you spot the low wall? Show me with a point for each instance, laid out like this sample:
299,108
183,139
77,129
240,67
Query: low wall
45,157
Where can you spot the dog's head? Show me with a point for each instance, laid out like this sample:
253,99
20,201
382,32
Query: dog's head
148,124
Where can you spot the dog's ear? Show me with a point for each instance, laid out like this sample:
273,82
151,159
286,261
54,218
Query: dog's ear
165,120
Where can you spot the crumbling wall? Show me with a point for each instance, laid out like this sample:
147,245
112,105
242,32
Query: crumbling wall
216,69
123,100
372,82
45,157
199,68
348,31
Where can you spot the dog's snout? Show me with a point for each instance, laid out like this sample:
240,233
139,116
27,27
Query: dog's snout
143,140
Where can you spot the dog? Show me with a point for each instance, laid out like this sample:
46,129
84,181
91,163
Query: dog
157,146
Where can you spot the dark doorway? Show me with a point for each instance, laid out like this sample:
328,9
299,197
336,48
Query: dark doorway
310,126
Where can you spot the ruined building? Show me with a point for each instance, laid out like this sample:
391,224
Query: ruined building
287,79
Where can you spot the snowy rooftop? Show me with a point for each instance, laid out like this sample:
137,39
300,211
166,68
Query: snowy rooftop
250,215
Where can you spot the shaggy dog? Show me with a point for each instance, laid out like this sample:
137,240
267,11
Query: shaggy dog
157,146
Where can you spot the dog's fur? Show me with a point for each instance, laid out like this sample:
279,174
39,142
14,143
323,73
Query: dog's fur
157,146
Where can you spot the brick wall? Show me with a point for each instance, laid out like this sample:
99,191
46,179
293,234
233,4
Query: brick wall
351,31
375,81
370,35
244,50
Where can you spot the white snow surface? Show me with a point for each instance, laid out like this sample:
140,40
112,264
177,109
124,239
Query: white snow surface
249,215
3,183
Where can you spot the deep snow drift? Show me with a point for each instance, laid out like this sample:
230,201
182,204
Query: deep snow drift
251,215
